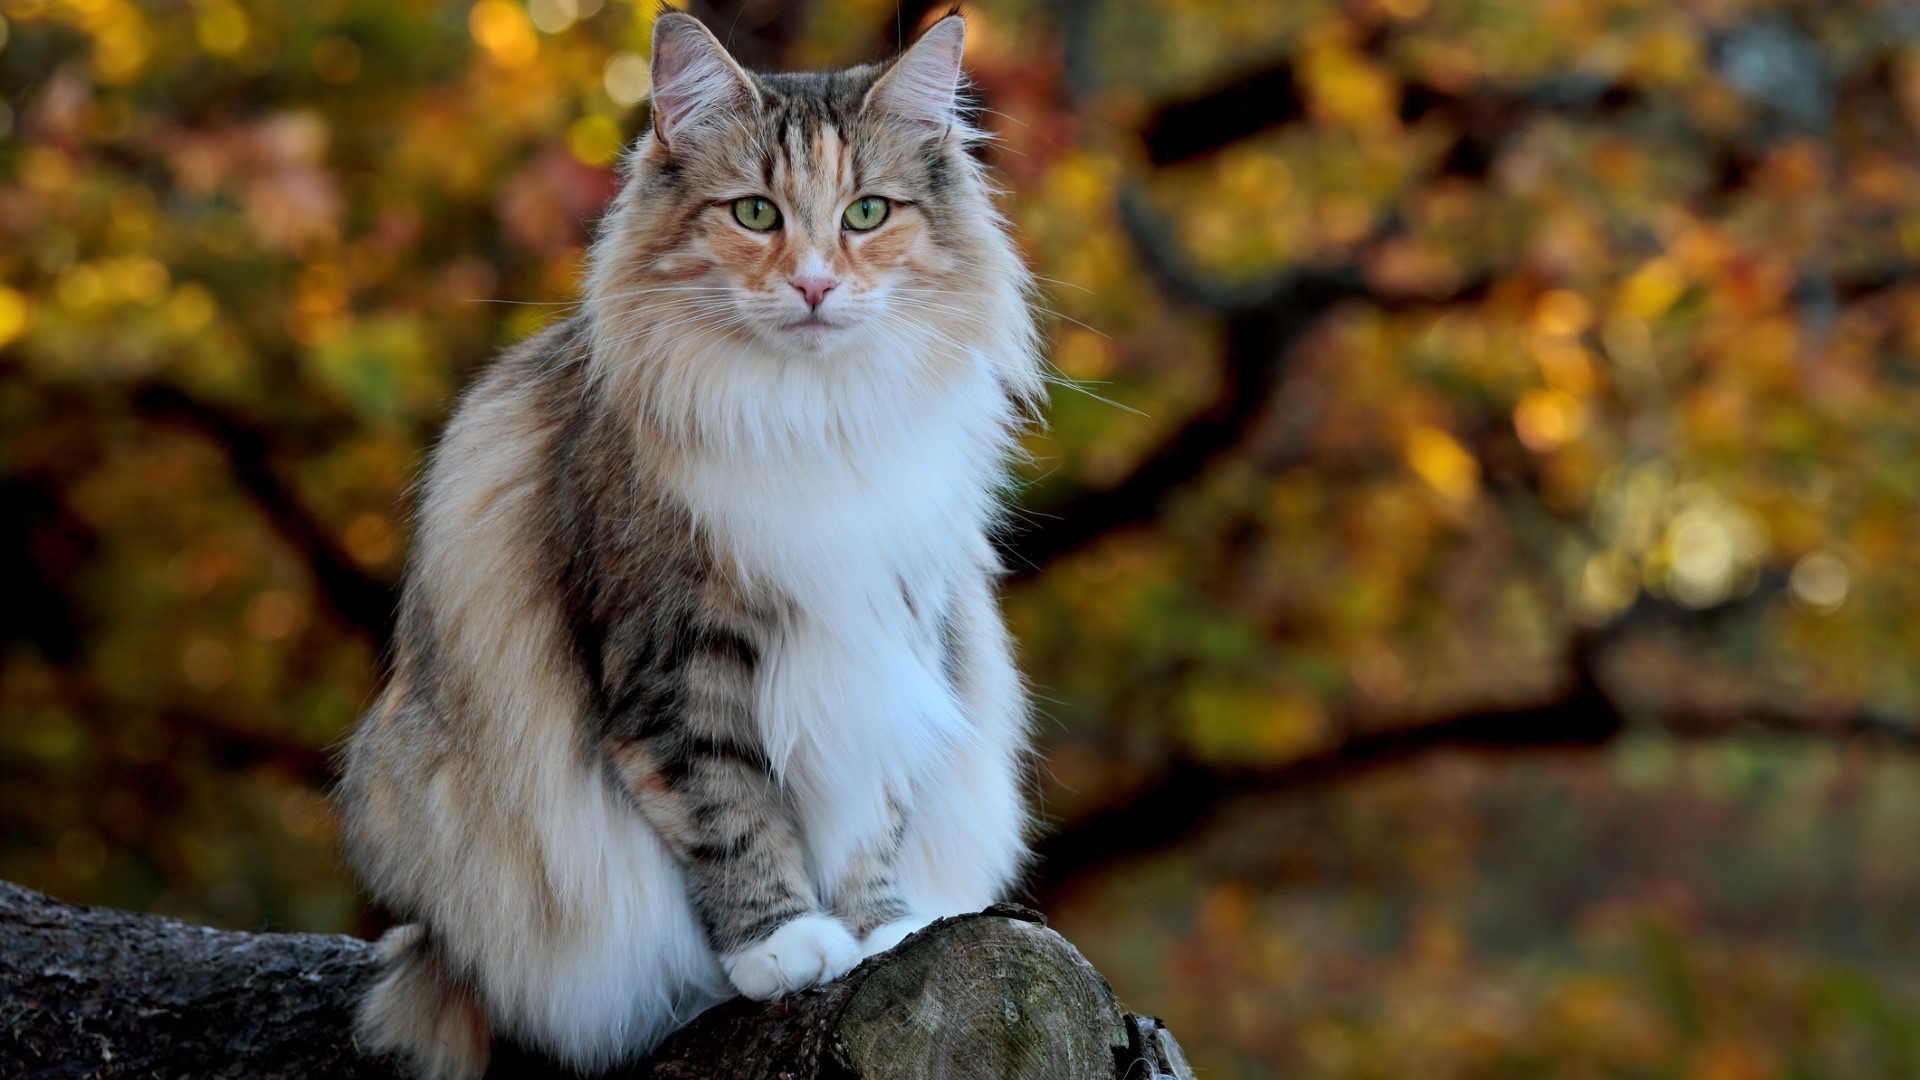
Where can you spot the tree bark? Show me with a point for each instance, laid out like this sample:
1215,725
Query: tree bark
89,992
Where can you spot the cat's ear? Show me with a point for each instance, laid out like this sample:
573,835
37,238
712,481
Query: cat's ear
695,83
923,85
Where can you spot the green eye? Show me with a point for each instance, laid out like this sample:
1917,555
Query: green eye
756,213
866,213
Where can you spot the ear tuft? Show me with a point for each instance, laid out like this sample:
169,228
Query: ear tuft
696,85
923,84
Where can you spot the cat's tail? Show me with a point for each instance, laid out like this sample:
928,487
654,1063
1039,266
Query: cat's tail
418,1012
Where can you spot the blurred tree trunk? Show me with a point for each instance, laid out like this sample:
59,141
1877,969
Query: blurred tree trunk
89,992
756,32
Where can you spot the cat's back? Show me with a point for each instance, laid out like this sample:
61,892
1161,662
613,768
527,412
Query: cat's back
483,698
479,599
478,493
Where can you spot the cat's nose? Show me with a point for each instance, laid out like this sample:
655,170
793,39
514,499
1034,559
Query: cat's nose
814,287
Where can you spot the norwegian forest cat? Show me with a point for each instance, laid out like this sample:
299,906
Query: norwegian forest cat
700,687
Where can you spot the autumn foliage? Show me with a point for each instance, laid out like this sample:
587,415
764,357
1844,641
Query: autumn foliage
1469,576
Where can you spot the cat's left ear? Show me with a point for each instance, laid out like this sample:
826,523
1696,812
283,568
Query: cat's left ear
923,85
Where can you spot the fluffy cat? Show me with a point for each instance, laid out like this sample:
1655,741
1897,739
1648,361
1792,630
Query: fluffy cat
700,687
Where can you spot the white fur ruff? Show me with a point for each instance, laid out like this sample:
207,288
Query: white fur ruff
866,514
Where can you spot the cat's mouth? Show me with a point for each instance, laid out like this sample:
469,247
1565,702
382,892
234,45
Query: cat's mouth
812,325
811,332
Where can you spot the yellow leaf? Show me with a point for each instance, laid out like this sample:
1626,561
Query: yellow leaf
595,140
503,29
1443,464
1546,419
13,314
1652,289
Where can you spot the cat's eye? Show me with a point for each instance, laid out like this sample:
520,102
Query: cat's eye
865,213
756,213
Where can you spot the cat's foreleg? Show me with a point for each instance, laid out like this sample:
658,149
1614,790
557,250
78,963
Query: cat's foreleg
957,842
703,783
867,896
966,833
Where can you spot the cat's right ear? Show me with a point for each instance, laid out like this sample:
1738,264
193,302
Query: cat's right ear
696,84
922,86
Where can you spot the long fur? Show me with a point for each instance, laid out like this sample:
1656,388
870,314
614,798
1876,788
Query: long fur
822,508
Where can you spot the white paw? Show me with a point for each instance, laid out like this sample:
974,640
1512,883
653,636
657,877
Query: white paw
805,951
888,934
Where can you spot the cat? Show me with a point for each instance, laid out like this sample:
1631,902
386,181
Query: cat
700,687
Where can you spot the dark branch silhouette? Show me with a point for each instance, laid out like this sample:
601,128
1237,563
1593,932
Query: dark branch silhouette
1259,345
897,29
1189,795
756,32
1583,715
1262,328
1271,97
1238,109
359,599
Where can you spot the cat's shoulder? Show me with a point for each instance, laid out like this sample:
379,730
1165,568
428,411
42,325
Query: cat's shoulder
525,404
554,356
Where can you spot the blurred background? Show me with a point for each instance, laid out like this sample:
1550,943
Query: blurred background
1473,592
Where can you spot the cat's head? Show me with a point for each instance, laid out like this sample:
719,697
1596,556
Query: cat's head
828,220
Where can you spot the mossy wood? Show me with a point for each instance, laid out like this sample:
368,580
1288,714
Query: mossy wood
88,992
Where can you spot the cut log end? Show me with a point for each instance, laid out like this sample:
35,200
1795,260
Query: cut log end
983,997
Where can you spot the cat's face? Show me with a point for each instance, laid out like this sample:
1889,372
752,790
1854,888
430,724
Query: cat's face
807,224
808,212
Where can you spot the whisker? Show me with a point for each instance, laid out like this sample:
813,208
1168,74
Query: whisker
522,303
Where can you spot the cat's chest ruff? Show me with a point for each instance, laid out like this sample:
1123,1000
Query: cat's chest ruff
854,548
863,547
826,524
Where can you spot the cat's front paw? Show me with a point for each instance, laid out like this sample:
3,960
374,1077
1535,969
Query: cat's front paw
805,951
888,934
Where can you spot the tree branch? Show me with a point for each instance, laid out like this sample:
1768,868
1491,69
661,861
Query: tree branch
1258,348
87,992
1271,97
234,747
1263,325
1867,283
1583,715
359,599
1185,799
1240,108
1189,795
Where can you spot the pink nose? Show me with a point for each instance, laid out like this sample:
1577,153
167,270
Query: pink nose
814,287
